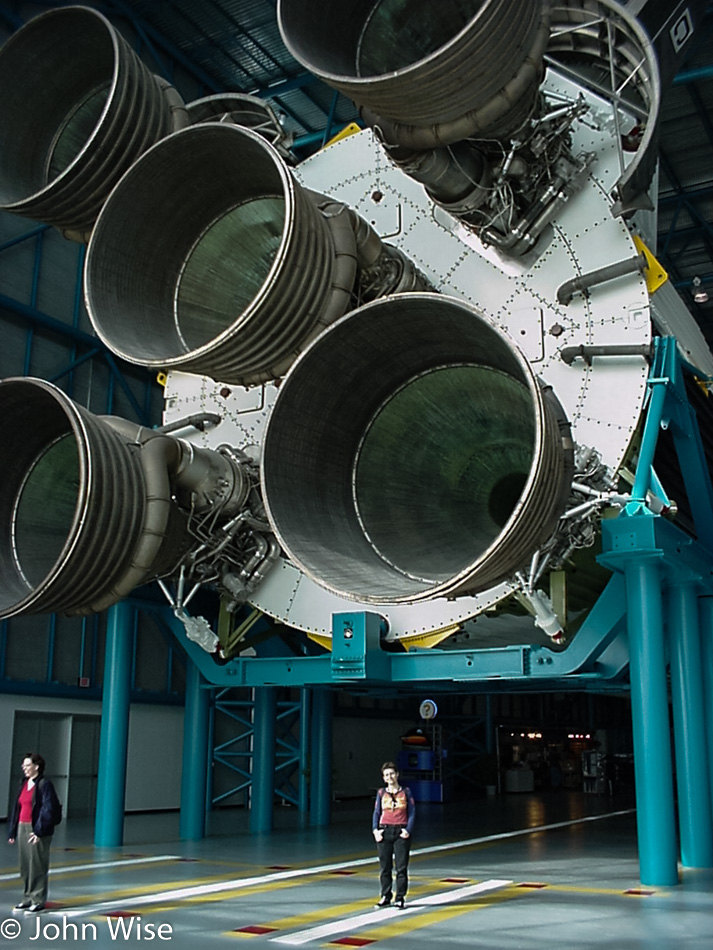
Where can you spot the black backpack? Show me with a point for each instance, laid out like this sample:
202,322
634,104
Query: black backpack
56,808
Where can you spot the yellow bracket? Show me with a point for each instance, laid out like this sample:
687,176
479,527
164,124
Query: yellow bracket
428,639
348,130
654,273
323,639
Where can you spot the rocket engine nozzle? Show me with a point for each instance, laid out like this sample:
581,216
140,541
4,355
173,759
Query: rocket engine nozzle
79,107
92,507
412,453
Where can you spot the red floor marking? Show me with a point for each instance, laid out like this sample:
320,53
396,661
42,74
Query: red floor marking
279,867
254,929
454,880
120,913
637,892
534,884
343,872
352,942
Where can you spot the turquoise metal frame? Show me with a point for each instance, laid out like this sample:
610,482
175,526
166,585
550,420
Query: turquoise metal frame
655,613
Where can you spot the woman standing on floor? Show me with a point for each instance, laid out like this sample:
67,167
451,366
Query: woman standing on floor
32,824
392,824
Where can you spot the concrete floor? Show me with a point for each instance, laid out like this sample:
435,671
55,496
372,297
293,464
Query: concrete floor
557,870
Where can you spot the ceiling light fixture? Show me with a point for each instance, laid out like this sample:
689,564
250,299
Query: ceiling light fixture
699,294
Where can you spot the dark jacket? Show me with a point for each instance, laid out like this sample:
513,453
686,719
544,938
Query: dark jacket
44,807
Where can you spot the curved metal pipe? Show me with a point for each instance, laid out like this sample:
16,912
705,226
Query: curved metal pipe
411,453
79,107
632,265
457,69
157,457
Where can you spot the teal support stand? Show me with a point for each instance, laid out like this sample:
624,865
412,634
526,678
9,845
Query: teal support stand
196,726
114,736
321,771
263,784
706,617
303,781
655,812
689,724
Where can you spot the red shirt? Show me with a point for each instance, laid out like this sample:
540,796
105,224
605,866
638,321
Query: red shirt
26,796
394,808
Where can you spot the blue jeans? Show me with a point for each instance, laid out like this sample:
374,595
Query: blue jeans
393,849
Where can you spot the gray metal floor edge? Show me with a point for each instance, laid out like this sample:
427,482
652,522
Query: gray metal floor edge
556,870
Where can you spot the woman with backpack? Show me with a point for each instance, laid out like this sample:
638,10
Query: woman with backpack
392,824
36,812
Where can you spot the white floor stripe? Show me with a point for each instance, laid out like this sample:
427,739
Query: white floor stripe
363,920
71,868
204,890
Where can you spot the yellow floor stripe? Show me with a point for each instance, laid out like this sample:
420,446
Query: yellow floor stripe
331,912
397,927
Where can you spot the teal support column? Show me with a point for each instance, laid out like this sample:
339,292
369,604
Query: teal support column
321,771
706,616
303,783
655,812
114,736
263,784
194,777
689,727
489,731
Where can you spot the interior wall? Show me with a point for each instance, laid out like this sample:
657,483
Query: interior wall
360,747
155,751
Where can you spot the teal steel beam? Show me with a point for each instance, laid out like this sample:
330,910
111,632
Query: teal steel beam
287,751
655,812
27,236
689,726
263,779
303,781
114,736
50,323
196,725
321,759
706,620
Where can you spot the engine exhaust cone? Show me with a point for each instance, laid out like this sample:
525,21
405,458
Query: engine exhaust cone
210,258
77,108
411,453
455,68
71,505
